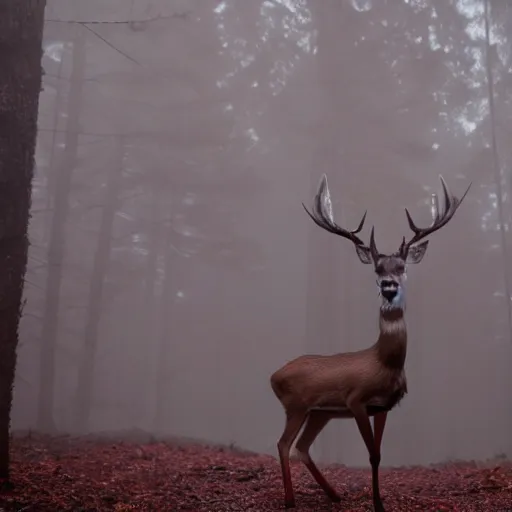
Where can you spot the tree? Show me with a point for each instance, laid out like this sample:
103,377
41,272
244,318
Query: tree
45,421
166,300
21,31
85,391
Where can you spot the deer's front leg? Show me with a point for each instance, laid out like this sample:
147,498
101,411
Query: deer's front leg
379,422
365,428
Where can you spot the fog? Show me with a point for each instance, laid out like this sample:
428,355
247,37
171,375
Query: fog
172,267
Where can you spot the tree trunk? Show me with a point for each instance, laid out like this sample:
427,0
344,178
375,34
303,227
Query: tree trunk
50,175
148,329
84,392
21,28
45,420
162,377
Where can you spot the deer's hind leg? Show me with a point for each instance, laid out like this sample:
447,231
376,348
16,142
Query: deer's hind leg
294,422
316,422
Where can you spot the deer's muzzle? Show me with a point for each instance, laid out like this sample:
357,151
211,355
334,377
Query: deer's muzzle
388,289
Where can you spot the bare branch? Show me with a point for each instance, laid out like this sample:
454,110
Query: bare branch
33,315
38,286
180,15
108,43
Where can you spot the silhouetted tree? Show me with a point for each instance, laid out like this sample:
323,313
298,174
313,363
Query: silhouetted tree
202,228
85,391
21,27
147,326
64,171
164,342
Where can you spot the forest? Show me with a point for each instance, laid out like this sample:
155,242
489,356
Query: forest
157,266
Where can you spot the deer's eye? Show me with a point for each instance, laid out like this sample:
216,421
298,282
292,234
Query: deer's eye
379,270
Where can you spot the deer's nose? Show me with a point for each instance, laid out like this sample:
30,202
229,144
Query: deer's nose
388,289
389,293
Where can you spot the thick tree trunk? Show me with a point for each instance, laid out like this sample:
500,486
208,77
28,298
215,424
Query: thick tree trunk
21,27
85,391
45,421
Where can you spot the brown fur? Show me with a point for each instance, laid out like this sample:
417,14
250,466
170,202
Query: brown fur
375,376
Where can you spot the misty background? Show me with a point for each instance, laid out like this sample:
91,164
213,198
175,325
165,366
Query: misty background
172,268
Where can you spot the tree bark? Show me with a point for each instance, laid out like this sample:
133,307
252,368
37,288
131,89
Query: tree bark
21,29
45,420
85,391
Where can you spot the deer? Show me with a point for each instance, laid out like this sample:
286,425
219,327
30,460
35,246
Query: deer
364,384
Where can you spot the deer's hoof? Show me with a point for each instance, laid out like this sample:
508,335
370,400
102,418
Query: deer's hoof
289,503
379,507
336,498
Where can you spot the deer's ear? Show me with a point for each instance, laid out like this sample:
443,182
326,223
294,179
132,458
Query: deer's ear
416,252
364,254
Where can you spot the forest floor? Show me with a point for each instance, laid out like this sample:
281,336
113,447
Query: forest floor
60,474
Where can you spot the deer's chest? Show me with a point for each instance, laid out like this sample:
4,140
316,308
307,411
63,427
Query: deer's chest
389,397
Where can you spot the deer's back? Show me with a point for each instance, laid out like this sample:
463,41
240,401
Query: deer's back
326,382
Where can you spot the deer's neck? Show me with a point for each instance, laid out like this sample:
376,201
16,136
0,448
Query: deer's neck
392,343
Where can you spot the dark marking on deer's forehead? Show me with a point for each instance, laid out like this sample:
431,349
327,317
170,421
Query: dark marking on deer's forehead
390,265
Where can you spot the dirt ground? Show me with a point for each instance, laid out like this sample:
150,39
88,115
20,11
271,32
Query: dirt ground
84,474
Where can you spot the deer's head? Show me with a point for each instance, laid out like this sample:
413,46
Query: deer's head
391,269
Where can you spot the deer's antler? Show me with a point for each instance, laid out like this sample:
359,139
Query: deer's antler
451,203
322,214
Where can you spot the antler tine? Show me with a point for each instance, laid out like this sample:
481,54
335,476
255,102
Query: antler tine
322,214
373,245
450,206
436,206
361,224
324,223
448,197
465,193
